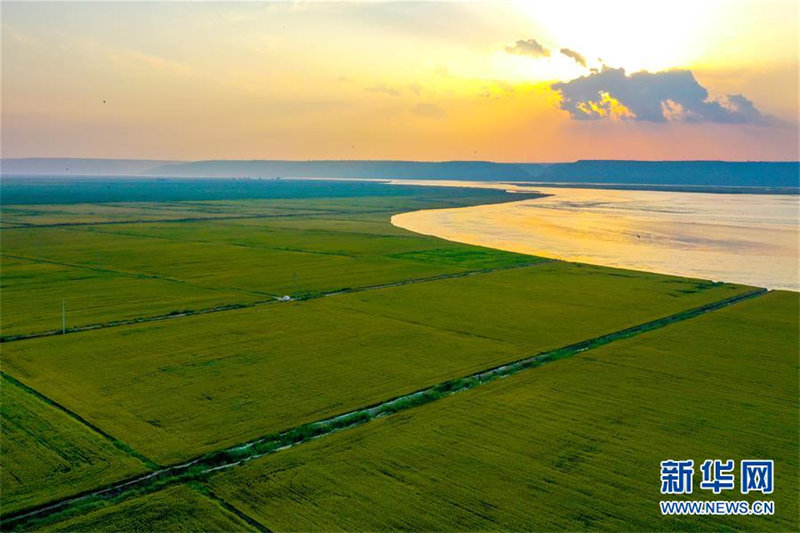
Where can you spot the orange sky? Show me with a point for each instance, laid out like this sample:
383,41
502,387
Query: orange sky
419,81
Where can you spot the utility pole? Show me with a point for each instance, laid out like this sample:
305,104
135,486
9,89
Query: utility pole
63,317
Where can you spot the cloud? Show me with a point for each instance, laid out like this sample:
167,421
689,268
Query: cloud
428,110
572,54
530,47
385,89
652,97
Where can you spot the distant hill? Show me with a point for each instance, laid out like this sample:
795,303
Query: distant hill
696,173
446,170
450,170
644,173
51,166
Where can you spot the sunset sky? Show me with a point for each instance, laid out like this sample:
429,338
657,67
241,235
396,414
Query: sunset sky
503,81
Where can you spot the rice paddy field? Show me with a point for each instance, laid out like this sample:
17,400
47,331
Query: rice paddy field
178,508
181,345
46,454
572,445
112,272
176,389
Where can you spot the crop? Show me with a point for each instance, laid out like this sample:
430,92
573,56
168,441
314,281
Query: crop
574,445
47,455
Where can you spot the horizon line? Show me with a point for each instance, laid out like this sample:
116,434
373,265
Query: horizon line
497,162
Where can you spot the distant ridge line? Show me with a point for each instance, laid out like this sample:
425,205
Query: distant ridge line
612,171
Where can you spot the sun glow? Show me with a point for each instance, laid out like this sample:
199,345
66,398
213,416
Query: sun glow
607,107
634,35
396,80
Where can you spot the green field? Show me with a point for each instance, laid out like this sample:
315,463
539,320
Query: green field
173,390
111,272
542,307
45,454
33,293
177,508
573,445
38,215
209,358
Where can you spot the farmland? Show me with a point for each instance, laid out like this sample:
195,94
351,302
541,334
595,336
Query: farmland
174,509
174,390
573,445
46,454
180,346
111,272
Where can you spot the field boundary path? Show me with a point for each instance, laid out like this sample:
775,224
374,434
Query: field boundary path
203,466
272,300
235,510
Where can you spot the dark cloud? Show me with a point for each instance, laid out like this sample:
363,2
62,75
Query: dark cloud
428,110
575,56
652,97
528,48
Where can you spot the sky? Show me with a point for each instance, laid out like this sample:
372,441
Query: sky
490,80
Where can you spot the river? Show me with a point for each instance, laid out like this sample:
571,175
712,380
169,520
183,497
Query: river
741,238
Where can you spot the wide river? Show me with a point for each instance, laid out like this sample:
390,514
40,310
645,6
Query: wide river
742,238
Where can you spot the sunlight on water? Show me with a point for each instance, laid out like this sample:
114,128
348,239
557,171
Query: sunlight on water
741,238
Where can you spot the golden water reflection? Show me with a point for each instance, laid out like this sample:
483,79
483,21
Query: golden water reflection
743,238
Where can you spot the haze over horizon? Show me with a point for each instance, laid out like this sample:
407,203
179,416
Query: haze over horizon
425,81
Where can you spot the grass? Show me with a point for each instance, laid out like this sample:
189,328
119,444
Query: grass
573,446
176,508
179,389
47,455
